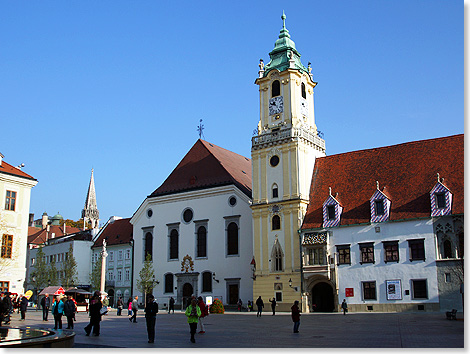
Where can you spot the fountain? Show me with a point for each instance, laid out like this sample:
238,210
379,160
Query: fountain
35,338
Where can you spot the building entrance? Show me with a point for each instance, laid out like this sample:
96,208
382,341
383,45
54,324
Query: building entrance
323,299
187,293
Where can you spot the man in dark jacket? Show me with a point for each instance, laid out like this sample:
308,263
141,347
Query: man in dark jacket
45,304
296,316
260,305
23,307
95,315
7,307
69,311
151,310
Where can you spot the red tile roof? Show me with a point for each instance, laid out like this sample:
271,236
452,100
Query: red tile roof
115,233
11,170
407,171
207,165
37,235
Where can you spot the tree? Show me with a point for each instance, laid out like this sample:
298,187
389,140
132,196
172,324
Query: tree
69,269
95,275
52,273
146,282
39,277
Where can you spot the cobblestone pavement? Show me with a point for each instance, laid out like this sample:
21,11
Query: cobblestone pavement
245,330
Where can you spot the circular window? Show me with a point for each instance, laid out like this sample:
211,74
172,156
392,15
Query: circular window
232,201
274,161
187,215
149,213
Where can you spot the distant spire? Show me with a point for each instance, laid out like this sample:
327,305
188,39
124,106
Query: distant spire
90,212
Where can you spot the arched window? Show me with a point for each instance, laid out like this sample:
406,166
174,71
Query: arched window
201,242
207,282
447,249
304,92
232,239
169,283
461,245
276,222
174,244
275,191
276,88
277,257
148,244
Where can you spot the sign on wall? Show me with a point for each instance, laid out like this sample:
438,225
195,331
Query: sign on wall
393,289
349,292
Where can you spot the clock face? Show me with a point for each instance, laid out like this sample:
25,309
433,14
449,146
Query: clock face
304,107
276,105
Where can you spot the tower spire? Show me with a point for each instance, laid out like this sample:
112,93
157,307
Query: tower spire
90,212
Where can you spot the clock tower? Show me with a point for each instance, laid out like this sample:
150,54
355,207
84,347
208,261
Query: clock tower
283,156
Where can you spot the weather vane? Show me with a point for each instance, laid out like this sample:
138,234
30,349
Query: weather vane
200,129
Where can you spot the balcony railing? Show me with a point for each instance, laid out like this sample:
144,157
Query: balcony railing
287,133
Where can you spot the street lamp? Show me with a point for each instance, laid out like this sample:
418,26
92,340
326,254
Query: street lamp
290,282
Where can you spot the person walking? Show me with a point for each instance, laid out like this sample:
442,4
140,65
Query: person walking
45,304
204,313
296,316
171,306
260,305
69,311
344,306
23,307
105,302
273,305
7,307
95,315
193,312
119,306
239,304
134,308
57,312
151,310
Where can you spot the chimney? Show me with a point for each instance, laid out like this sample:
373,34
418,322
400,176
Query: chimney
1,158
45,220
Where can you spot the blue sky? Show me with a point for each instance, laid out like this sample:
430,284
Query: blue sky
120,86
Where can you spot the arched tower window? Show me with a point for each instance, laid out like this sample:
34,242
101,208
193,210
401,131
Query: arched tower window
277,257
148,245
447,249
275,191
276,88
276,222
174,244
304,92
201,242
232,239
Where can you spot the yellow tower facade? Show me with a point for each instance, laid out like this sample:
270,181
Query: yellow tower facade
283,156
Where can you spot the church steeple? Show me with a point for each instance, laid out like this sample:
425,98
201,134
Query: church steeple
90,212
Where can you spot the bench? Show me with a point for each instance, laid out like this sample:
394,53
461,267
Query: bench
451,315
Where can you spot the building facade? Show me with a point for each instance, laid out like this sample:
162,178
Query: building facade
384,229
15,192
197,229
283,155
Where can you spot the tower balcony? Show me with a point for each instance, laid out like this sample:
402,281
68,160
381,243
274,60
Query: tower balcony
279,136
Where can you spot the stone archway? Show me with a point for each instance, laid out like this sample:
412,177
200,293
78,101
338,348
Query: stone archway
323,298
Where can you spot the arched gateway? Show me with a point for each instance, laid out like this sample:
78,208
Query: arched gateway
323,298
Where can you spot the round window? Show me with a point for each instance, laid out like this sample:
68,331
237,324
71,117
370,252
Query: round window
274,161
149,213
188,215
232,201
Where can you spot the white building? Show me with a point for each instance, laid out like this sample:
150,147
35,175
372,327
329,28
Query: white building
197,227
384,229
15,194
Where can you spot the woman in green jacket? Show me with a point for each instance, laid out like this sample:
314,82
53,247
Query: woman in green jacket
193,312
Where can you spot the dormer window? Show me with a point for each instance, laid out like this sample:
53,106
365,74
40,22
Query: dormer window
379,206
276,88
331,212
441,199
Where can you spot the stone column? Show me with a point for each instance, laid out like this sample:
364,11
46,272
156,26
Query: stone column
104,254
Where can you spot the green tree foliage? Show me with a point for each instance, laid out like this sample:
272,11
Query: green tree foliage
69,270
146,282
39,276
78,223
52,273
95,275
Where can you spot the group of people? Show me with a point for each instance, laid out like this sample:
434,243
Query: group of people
60,306
9,303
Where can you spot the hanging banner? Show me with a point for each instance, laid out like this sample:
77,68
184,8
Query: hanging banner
393,289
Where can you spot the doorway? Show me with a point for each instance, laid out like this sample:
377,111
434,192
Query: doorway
323,299
233,294
111,297
187,293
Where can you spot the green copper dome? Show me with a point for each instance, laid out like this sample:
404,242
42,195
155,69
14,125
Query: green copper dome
284,51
